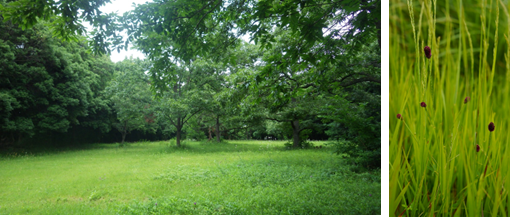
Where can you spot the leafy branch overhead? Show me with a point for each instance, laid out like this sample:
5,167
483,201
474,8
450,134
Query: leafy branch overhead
193,28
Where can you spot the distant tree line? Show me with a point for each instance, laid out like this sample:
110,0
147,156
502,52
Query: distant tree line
58,92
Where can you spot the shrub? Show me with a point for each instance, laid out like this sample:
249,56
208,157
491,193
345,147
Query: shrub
359,156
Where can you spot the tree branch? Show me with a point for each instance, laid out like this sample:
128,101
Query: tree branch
308,85
246,127
288,77
205,14
304,129
367,78
269,118
191,116
173,123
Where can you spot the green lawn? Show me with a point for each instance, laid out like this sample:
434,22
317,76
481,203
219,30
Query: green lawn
235,177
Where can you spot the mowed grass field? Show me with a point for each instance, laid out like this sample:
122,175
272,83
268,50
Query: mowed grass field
234,177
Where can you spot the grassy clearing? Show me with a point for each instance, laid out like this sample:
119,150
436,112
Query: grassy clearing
236,177
435,166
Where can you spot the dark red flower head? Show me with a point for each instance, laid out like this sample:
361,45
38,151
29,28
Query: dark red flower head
427,52
477,148
423,104
467,99
399,116
491,126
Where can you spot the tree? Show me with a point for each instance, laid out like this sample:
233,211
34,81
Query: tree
183,91
216,106
223,108
66,18
199,27
324,32
46,84
239,112
313,51
354,107
131,97
184,29
356,122
100,114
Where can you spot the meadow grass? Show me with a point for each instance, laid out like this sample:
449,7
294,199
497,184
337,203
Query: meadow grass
234,177
435,166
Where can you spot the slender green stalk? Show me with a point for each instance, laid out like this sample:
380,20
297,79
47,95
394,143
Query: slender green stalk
435,166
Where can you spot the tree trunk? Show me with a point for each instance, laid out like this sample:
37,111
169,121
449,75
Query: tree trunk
295,129
124,133
295,133
210,134
178,137
218,128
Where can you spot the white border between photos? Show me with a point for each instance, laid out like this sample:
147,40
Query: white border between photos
385,108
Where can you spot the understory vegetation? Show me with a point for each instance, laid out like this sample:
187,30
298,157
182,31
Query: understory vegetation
233,177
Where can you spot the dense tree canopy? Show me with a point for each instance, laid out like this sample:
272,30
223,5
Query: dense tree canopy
310,71
46,85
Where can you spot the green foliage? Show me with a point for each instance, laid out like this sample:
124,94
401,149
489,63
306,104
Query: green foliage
367,158
465,87
65,19
186,29
307,54
359,123
131,98
195,132
308,47
298,54
183,91
202,27
100,113
353,112
47,85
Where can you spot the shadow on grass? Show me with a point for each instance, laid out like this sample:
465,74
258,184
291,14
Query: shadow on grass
189,147
44,149
204,147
